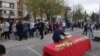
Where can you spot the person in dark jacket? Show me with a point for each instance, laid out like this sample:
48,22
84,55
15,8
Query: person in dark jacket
41,29
19,28
26,27
85,29
57,34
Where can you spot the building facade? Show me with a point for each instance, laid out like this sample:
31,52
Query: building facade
20,8
8,8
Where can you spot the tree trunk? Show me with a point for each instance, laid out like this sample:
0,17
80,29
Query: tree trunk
34,14
48,16
41,15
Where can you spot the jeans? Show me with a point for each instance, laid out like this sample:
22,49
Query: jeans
41,34
64,28
91,34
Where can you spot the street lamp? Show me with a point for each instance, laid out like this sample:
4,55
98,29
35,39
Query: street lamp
99,12
8,13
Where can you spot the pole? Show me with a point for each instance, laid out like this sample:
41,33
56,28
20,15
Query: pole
9,19
73,13
85,16
99,12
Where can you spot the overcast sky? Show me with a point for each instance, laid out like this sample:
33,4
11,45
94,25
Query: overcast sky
88,5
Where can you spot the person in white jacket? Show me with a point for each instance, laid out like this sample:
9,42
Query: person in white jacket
32,29
5,27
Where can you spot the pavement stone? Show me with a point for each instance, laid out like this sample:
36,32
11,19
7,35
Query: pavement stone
20,48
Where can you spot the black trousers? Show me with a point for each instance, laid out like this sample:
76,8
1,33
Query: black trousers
31,32
85,32
20,35
6,34
26,34
41,34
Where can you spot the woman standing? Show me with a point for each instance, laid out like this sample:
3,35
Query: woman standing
14,30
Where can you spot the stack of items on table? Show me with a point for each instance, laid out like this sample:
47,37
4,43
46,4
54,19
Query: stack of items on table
67,43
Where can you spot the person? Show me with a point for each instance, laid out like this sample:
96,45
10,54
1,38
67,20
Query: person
32,29
14,31
97,26
36,26
26,27
19,28
72,26
85,29
64,26
91,27
57,33
10,27
6,26
2,50
41,29
46,27
51,26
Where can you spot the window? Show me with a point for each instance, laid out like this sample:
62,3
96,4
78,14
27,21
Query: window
20,13
11,12
11,5
0,12
6,12
5,4
0,4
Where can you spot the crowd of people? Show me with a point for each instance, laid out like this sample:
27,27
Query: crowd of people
24,29
20,29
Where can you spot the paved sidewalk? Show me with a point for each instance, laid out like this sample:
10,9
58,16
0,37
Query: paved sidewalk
34,46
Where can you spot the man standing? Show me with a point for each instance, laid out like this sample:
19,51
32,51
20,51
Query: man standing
85,29
41,29
26,27
6,26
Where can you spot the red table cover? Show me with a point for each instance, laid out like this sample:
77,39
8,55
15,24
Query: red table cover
77,49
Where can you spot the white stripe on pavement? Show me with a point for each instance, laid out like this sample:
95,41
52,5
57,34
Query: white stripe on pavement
34,51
